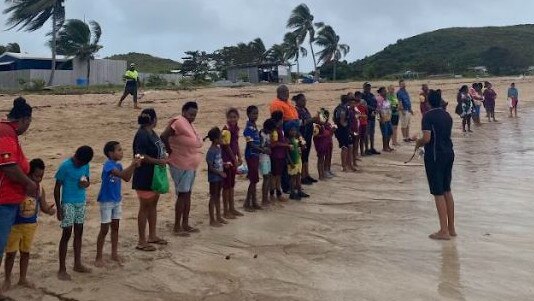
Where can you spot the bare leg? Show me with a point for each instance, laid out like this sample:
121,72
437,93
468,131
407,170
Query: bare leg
63,245
24,263
124,95
265,187
8,267
78,234
232,204
218,205
450,213
320,167
104,228
178,213
344,153
305,171
187,209
115,241
153,220
441,206
211,210
142,219
395,142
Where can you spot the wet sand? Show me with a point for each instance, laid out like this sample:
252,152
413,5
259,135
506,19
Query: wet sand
360,237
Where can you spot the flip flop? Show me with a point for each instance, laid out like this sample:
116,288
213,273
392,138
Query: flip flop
145,248
191,230
159,241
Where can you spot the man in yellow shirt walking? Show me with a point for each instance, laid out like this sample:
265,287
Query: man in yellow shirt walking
132,83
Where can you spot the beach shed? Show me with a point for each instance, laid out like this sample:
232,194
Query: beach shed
15,67
260,72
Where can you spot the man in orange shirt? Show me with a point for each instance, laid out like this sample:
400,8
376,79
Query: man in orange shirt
282,103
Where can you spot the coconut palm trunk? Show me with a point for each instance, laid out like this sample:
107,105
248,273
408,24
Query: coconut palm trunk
54,47
315,73
334,76
88,72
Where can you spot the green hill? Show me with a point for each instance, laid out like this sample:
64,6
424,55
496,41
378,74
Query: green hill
503,50
147,63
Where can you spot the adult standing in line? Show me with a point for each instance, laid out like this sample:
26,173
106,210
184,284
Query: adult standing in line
423,99
149,146
371,121
183,142
489,101
14,167
306,130
289,112
394,102
132,83
477,96
439,160
406,112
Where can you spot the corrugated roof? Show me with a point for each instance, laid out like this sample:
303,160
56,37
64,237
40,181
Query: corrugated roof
26,56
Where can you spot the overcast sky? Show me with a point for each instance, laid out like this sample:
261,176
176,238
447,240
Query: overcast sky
167,28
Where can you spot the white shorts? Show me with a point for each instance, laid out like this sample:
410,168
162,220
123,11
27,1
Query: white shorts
405,119
110,211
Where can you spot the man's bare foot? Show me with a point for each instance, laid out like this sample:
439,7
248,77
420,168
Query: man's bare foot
215,224
190,229
82,269
181,233
222,221
6,286
117,259
452,232
119,105
27,284
282,199
236,213
63,275
99,263
229,216
440,236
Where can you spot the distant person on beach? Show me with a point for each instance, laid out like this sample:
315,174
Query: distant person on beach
232,159
110,199
14,167
370,101
423,99
394,103
406,112
295,162
362,122
148,146
269,126
490,97
72,181
477,96
354,116
306,130
343,133
184,145
279,153
23,231
216,176
439,159
384,111
513,100
465,107
132,84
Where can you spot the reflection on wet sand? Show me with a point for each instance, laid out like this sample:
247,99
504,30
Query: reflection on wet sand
449,279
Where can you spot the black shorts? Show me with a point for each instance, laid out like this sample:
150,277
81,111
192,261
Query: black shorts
131,88
439,173
344,137
306,151
395,120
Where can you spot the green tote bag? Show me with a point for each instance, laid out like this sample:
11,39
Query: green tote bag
160,181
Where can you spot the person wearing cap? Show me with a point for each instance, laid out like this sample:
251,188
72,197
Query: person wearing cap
405,109
132,83
371,122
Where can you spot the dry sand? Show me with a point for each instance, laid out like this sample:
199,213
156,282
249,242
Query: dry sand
360,237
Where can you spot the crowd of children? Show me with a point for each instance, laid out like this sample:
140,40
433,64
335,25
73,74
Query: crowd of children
270,152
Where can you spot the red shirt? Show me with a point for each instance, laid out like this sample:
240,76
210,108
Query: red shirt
11,193
363,114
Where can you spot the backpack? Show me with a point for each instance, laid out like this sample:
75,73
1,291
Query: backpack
337,113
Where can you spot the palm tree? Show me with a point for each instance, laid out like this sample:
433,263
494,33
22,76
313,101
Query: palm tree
31,15
258,48
77,39
13,47
332,51
301,21
293,49
277,54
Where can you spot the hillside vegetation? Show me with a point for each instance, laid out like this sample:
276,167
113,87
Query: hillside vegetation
503,50
147,63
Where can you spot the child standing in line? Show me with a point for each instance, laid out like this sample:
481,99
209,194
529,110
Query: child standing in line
279,150
344,137
465,107
252,156
322,139
295,162
216,176
354,116
22,233
513,98
269,126
363,122
231,155
489,101
110,197
72,179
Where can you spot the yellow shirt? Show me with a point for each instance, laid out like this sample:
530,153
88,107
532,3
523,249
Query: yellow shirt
131,75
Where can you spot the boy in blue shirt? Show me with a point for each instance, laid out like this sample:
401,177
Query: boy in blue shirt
110,197
72,179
